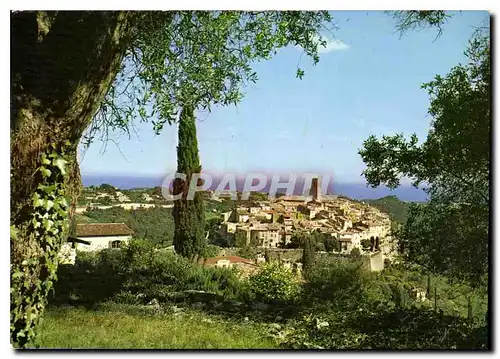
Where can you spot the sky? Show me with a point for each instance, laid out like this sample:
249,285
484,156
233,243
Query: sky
368,81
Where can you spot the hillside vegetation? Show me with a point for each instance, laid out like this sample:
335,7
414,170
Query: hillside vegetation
156,223
393,206
132,298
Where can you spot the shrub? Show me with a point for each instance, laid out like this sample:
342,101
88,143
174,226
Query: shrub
274,282
247,252
330,245
138,268
385,329
320,247
335,281
365,243
355,254
95,277
211,250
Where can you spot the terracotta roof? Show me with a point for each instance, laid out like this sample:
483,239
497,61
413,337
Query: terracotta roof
102,230
232,259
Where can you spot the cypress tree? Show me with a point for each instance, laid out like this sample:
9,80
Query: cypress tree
189,215
308,254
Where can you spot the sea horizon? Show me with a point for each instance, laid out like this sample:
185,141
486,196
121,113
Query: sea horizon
354,190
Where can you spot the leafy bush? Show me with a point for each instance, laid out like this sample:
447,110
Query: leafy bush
248,252
365,243
335,281
211,250
140,269
330,244
94,278
355,254
274,282
384,329
320,247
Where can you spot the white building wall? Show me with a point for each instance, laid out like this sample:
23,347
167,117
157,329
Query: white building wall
100,243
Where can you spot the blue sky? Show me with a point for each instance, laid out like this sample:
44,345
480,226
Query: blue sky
368,84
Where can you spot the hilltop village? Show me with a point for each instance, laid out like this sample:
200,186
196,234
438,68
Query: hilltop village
260,223
272,223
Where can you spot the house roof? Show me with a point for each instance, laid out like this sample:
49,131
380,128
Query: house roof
102,230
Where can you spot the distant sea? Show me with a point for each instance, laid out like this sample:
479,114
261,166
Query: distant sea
353,190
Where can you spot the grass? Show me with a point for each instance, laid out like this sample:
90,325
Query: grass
126,327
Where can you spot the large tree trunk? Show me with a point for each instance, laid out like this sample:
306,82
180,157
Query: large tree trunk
63,63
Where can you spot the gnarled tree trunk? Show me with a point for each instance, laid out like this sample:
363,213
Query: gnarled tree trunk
63,63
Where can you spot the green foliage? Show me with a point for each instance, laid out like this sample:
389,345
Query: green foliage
449,235
335,282
308,256
201,56
330,244
189,214
451,240
212,227
417,19
258,196
210,251
319,247
47,229
107,188
452,297
407,329
155,224
274,282
137,274
106,201
247,252
396,209
365,243
118,326
349,308
355,255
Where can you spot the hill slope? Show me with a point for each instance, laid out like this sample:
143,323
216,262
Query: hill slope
397,209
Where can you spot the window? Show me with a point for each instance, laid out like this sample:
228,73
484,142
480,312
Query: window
116,244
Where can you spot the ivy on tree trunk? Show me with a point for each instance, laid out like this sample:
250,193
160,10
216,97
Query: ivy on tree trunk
62,66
